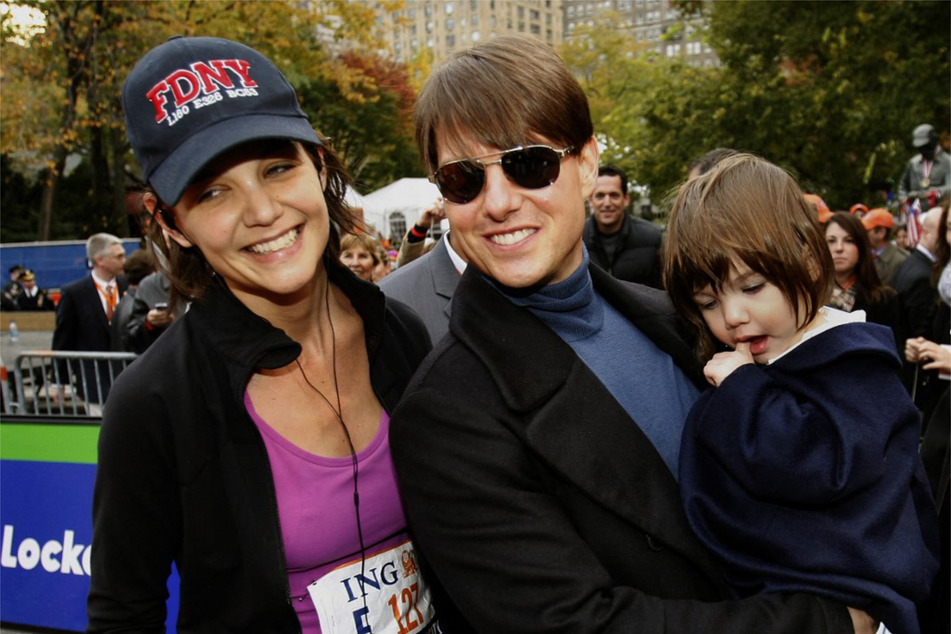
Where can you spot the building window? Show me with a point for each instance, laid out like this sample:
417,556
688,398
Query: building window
449,8
475,36
397,224
450,24
450,40
535,29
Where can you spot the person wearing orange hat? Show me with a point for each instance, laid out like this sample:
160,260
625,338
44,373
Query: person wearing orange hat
879,223
858,209
821,207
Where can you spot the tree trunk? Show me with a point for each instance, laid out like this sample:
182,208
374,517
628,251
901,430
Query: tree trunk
48,198
121,214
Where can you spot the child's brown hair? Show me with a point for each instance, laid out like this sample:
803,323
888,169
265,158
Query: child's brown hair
747,209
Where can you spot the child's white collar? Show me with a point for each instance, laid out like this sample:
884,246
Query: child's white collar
828,319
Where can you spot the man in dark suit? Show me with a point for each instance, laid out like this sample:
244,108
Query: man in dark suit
427,284
919,303
83,318
626,247
536,447
32,297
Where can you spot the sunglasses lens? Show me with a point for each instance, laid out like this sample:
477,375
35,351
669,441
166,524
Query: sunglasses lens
532,167
461,181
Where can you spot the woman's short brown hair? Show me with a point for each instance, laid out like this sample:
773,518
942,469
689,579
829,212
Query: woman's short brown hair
190,273
508,91
365,240
748,209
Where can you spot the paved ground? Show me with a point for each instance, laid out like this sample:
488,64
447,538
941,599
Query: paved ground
28,340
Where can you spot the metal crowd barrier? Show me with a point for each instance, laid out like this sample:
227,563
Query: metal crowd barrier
63,383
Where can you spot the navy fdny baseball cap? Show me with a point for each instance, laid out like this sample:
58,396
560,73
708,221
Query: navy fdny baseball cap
191,98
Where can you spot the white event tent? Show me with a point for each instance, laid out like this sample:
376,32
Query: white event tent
394,208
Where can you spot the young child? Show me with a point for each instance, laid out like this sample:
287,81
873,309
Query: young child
800,468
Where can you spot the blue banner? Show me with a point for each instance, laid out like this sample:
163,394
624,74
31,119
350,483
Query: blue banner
46,518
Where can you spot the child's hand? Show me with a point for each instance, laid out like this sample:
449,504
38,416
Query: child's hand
723,364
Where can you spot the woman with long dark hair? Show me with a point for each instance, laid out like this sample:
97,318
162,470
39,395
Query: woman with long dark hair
857,285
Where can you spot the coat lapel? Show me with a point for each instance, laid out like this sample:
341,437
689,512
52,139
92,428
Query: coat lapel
445,278
571,420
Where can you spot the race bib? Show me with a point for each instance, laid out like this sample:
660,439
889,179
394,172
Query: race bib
397,599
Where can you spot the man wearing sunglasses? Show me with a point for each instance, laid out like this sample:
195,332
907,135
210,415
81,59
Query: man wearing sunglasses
626,247
536,447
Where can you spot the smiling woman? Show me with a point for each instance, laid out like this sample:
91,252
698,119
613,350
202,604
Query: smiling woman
250,443
360,253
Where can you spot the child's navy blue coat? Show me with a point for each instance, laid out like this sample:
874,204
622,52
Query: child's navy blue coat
804,475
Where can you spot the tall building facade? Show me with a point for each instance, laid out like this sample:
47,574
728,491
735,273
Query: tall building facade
655,23
439,27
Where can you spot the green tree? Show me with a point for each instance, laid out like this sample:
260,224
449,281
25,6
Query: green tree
829,90
62,86
373,133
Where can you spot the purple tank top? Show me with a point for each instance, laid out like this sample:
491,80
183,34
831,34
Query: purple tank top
317,513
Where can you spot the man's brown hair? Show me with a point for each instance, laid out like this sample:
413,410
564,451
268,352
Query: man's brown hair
509,91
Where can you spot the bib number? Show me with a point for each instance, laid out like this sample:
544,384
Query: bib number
388,597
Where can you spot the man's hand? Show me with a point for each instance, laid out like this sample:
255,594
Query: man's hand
723,364
159,318
432,214
862,622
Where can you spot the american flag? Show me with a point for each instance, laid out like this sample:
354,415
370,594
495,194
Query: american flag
914,223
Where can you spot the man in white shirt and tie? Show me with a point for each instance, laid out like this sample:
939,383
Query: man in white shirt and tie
83,315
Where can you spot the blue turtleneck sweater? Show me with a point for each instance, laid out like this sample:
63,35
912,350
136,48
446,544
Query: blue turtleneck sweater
642,378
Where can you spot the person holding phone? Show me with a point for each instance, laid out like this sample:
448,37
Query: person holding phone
153,312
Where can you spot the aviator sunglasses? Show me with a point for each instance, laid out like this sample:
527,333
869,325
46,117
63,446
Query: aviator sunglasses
529,166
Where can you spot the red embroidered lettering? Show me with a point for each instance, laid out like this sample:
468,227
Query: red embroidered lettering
158,100
211,75
184,86
241,67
